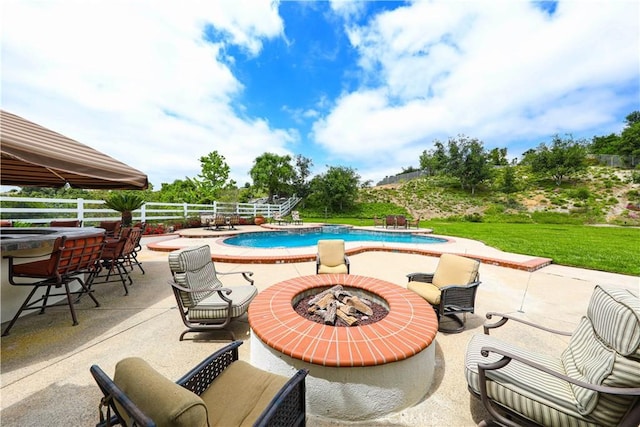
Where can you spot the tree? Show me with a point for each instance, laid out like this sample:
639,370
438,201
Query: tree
509,180
434,161
605,144
498,157
467,161
630,137
563,158
272,173
337,189
214,176
302,172
180,191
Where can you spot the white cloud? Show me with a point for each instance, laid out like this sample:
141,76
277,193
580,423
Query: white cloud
137,80
502,71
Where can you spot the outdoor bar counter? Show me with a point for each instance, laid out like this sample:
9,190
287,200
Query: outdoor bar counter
30,242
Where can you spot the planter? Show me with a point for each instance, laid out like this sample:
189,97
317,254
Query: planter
259,220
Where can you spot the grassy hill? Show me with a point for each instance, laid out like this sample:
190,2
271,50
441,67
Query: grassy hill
597,195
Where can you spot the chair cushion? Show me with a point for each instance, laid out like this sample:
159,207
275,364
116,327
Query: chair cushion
455,270
428,291
597,360
540,397
194,269
615,316
165,402
214,307
331,253
240,394
338,269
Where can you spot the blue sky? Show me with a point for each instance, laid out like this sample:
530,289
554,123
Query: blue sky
369,85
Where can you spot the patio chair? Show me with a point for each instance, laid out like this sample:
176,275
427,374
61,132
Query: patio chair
233,221
295,218
204,303
131,249
451,289
413,223
278,219
206,220
114,260
331,257
595,381
111,228
378,222
73,258
219,221
390,221
401,221
65,223
220,391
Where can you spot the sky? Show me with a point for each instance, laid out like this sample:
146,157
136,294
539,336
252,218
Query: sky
367,85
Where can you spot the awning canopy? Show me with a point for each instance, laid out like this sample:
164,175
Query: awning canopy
36,156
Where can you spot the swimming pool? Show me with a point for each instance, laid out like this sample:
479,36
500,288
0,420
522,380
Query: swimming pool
300,238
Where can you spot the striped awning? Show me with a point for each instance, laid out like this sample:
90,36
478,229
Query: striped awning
36,156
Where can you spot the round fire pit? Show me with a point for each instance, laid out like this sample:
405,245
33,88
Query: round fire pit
355,373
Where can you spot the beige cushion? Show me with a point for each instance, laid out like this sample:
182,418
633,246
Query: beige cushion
455,270
240,394
164,401
429,292
331,253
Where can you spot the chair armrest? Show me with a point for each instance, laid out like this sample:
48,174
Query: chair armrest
506,317
507,357
420,277
200,378
288,404
453,287
246,274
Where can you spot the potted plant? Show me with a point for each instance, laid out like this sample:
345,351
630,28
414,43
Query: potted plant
125,203
259,219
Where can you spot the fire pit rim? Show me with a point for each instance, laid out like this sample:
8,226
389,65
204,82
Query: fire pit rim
409,328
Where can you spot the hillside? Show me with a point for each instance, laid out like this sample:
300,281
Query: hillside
598,195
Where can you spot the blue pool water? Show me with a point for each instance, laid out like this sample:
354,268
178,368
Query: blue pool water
299,238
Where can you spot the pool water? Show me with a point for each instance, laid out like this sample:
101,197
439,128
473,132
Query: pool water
300,238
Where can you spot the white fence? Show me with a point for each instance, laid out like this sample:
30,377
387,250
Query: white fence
29,210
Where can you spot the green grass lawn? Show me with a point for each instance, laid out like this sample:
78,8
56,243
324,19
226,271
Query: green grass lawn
611,249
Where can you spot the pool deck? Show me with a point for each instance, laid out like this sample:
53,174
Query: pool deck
45,361
222,252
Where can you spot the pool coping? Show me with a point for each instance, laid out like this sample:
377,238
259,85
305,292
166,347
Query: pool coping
231,255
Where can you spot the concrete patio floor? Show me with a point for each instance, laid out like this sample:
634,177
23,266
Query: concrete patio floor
45,361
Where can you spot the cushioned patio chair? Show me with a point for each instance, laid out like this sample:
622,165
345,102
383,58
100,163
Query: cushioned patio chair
220,391
219,222
451,290
204,303
594,382
278,219
331,257
295,218
401,221
233,221
72,259
114,260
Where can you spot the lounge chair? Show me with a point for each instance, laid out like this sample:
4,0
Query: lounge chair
219,221
451,290
401,221
220,391
414,223
331,257
233,221
278,219
377,222
295,217
595,381
203,302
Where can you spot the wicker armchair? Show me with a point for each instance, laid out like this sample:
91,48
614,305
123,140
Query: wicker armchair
451,290
220,391
331,257
204,303
595,381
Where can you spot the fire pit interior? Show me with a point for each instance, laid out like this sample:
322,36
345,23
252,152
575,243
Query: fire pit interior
340,306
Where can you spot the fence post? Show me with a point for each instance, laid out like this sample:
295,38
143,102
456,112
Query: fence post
80,209
185,210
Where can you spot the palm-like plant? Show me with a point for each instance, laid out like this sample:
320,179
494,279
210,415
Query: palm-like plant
125,203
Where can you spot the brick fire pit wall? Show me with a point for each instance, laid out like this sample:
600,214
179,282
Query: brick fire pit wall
355,373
